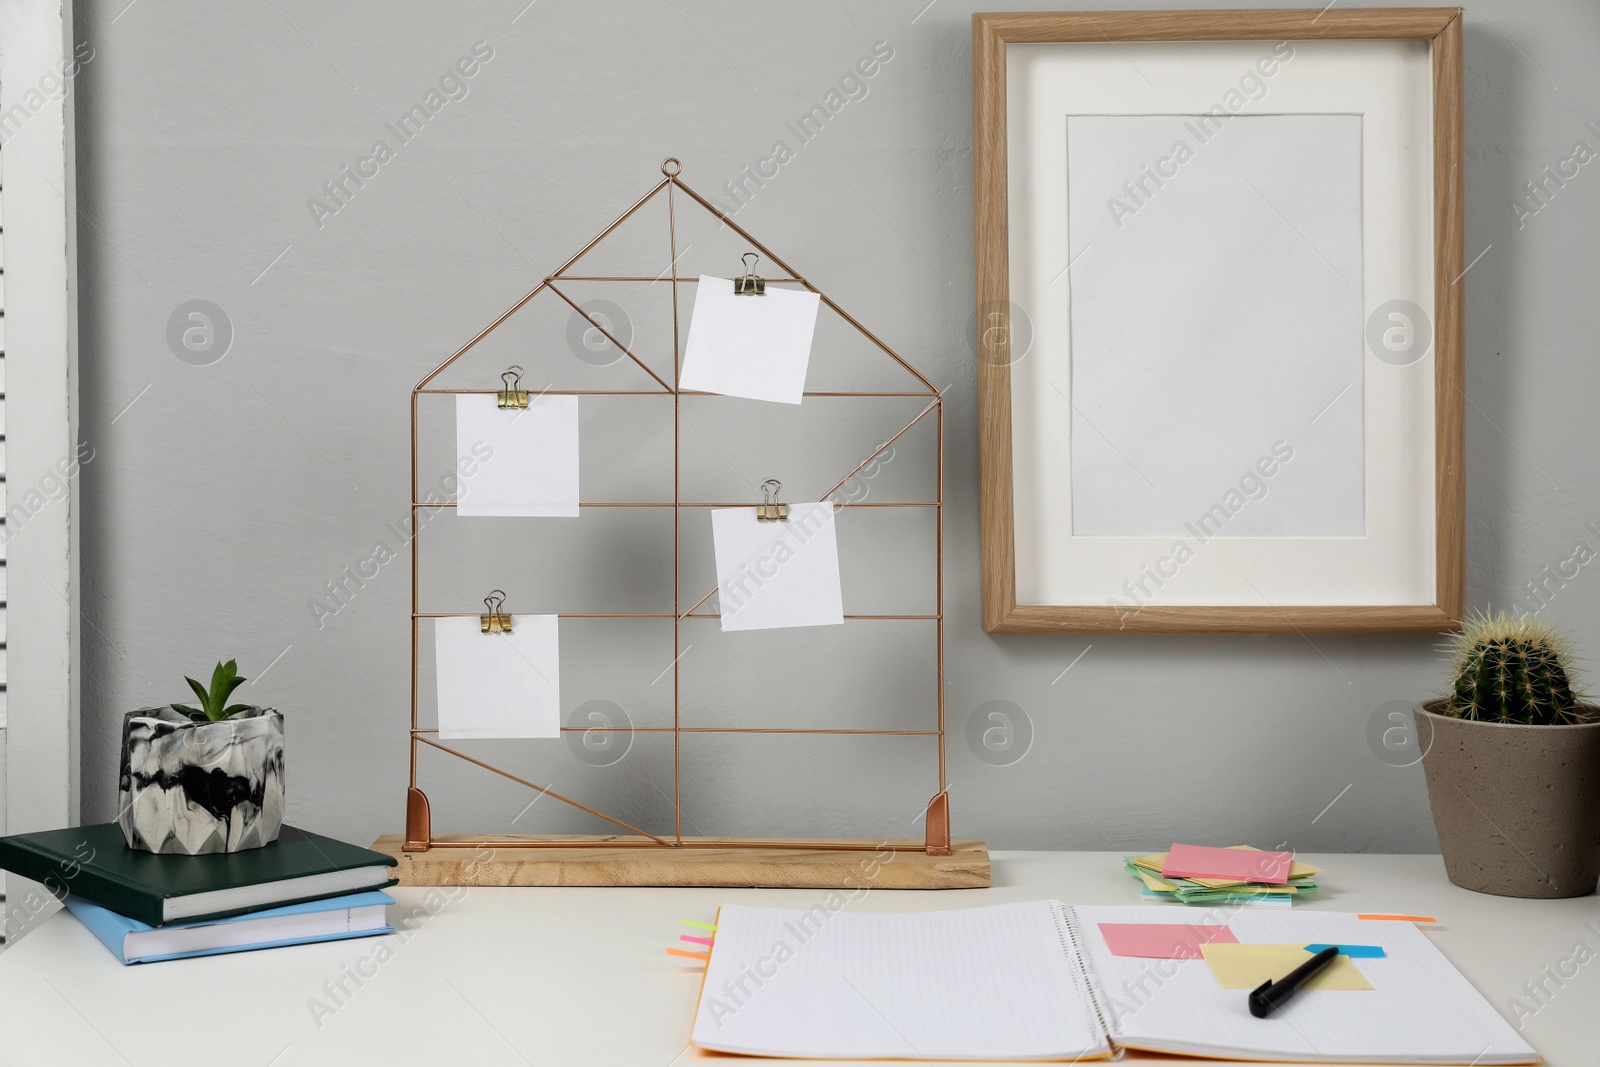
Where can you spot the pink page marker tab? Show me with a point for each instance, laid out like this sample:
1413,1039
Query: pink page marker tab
1164,941
1200,861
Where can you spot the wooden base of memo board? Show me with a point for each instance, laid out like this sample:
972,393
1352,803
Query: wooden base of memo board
789,864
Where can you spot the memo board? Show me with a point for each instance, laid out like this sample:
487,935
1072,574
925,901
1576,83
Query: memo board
634,855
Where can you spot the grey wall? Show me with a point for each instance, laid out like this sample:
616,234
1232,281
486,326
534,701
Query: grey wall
221,498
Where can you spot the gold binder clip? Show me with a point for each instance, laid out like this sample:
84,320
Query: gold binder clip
497,621
769,510
750,284
513,395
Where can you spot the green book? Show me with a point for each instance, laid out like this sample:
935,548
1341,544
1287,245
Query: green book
96,864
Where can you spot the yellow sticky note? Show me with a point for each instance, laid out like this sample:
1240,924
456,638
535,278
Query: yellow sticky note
1247,966
1154,884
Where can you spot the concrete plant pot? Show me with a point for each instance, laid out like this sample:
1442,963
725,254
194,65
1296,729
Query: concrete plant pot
196,787
1517,807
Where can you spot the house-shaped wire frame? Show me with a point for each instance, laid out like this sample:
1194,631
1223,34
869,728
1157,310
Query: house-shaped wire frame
419,836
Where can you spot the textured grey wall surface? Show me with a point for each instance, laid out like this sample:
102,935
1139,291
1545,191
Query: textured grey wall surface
231,154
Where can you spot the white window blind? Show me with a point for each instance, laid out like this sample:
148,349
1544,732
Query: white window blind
3,504
3,536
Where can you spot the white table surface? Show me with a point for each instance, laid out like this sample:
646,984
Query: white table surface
579,976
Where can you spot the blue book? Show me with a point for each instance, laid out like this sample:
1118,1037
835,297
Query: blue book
333,919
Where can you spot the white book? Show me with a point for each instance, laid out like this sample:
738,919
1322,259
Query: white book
1037,981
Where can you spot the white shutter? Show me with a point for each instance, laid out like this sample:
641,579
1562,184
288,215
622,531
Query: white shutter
3,533
3,506
3,496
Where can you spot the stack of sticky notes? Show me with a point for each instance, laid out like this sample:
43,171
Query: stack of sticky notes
1197,874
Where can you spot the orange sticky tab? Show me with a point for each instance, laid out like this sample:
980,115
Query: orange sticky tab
701,956
1402,918
697,940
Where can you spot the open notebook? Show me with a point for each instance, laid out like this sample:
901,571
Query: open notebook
1037,981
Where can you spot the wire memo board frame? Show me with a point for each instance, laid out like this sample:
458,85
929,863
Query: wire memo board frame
419,837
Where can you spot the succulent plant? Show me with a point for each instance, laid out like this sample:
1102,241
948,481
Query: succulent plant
1512,669
214,705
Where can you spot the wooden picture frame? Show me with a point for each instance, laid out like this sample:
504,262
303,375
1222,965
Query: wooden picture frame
992,35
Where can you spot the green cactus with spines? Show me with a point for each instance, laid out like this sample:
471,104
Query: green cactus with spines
1512,669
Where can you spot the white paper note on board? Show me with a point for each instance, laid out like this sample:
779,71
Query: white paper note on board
501,684
756,347
517,461
777,574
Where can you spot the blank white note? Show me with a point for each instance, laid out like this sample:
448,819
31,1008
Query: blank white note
498,685
776,574
750,346
517,461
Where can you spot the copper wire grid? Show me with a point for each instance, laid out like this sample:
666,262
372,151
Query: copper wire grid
419,836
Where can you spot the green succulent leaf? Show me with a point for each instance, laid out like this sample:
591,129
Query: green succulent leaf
214,705
194,713
227,689
220,675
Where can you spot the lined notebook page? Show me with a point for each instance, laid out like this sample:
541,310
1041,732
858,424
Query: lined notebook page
1420,1009
982,983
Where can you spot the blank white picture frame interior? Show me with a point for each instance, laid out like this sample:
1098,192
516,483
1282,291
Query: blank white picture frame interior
1380,552
1235,241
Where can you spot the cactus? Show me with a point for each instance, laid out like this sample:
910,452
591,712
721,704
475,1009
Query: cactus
1512,669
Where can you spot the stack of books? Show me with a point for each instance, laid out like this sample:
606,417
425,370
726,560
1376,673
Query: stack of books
1191,874
146,907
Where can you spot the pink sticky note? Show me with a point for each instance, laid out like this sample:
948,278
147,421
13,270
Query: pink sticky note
1240,864
1164,941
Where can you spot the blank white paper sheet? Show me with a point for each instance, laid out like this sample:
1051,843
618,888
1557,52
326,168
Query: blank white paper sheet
995,983
756,347
1216,315
498,685
517,461
779,573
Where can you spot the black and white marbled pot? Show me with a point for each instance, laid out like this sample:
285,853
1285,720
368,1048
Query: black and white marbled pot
194,787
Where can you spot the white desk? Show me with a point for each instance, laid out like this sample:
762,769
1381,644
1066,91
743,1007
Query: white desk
580,976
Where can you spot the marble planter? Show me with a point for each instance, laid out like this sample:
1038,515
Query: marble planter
194,787
1517,807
